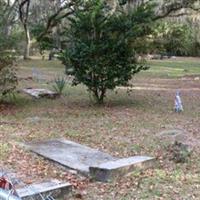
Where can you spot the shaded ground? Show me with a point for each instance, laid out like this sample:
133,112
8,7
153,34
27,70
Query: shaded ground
127,125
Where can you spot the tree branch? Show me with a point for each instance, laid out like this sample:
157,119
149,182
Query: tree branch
170,8
54,19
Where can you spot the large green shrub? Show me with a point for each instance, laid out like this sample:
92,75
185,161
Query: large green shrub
100,54
8,78
8,47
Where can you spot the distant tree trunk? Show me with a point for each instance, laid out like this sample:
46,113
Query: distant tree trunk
28,43
9,17
24,6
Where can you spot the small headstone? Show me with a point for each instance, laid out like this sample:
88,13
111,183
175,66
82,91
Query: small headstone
37,74
173,57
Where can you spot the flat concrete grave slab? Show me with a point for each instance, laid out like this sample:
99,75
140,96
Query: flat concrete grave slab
40,93
70,154
101,166
111,170
54,188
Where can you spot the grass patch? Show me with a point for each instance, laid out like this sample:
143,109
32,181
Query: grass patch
4,150
173,68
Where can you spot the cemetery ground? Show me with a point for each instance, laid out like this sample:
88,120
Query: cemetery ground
128,124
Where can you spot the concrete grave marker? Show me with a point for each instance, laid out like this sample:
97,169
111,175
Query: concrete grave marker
113,169
101,166
70,154
37,74
40,93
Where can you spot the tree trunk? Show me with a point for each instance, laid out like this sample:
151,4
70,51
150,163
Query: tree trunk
99,95
23,15
28,43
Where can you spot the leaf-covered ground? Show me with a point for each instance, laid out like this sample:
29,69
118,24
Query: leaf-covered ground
128,124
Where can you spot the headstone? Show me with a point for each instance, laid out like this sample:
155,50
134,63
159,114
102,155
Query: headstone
40,93
37,74
173,57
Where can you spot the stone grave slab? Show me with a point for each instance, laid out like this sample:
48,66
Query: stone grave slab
55,188
113,169
70,154
40,93
101,166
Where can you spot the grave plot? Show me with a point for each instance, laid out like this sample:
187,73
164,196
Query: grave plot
40,93
100,166
70,154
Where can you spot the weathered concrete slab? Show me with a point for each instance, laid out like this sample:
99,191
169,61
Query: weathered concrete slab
40,93
70,154
101,166
54,188
113,169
